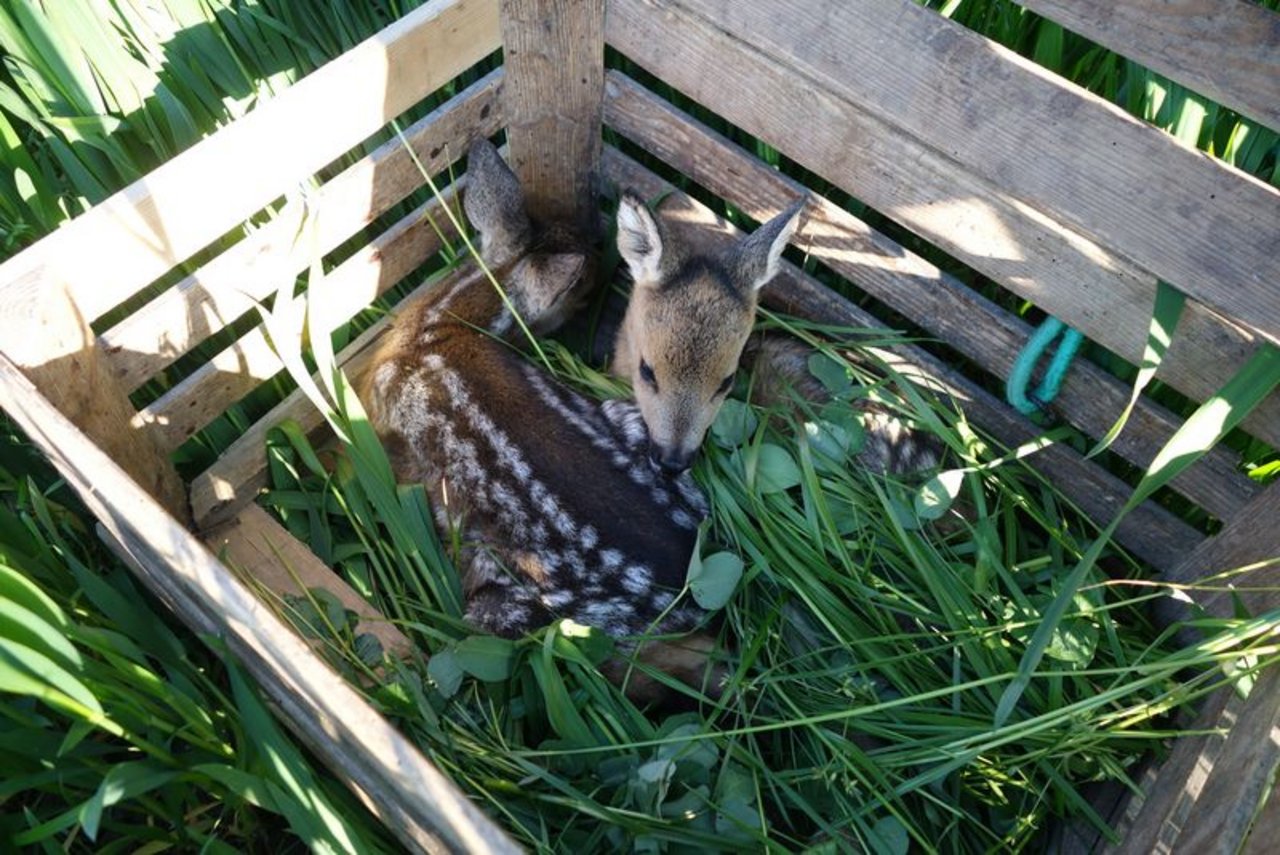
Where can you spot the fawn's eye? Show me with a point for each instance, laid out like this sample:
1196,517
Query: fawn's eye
647,375
725,386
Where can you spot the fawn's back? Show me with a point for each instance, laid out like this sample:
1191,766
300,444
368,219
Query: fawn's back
549,494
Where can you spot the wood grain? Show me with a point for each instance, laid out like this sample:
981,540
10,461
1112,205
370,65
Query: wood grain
554,56
1194,222
140,233
237,370
415,802
1091,399
1037,257
1228,50
1150,531
60,354
155,335
1206,793
263,552
1250,539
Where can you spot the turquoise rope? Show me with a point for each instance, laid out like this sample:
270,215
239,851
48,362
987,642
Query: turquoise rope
1025,364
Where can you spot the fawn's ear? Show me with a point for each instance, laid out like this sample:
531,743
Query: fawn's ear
754,260
494,203
641,239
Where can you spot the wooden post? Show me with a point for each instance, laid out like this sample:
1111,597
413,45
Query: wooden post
49,338
554,90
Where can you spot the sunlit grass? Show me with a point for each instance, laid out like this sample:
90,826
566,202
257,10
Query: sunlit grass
871,651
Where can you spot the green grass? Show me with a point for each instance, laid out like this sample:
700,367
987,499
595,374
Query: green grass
118,731
857,625
871,653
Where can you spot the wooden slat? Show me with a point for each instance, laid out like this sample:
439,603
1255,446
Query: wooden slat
1266,829
1203,226
1228,50
1250,539
220,492
417,804
1150,531
235,372
1091,399
137,235
1206,793
554,56
1057,268
62,356
151,338
263,552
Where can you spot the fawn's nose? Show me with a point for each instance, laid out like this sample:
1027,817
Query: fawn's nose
670,461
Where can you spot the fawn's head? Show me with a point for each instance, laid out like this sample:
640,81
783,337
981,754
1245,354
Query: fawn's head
687,322
538,265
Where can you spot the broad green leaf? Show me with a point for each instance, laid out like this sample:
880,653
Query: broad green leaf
935,496
888,837
368,649
445,672
775,469
486,657
831,373
713,580
243,784
24,626
563,714
734,425
830,442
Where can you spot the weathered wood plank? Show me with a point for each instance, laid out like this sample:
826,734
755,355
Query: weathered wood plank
265,553
1266,828
1191,220
1090,399
218,493
1250,539
62,356
235,372
1150,531
1219,821
140,233
417,804
1206,793
1228,50
151,338
1057,268
554,56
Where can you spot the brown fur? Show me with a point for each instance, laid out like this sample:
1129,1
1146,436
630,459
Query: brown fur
689,320
686,323
558,512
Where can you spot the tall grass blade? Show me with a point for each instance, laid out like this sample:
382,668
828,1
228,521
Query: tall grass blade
1164,320
1201,432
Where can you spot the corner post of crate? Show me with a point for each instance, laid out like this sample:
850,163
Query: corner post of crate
48,337
554,59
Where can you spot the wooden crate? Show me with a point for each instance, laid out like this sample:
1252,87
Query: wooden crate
1056,195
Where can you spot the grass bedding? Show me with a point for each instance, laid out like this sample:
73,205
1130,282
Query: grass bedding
870,638
871,653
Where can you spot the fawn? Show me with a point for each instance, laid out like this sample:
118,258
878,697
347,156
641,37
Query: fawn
558,512
687,328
